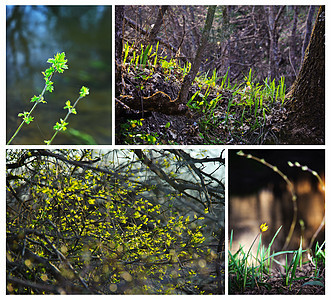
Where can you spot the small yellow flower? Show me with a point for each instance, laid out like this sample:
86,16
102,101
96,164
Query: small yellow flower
248,83
263,227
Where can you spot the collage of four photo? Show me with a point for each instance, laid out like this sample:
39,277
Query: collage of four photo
165,149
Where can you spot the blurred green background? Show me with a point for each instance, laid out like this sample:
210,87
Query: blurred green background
36,33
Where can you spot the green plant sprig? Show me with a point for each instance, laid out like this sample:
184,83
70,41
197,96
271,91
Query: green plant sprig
84,91
59,64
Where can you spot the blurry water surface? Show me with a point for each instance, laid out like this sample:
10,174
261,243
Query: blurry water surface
36,33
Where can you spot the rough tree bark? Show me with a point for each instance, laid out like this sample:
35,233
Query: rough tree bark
185,88
306,121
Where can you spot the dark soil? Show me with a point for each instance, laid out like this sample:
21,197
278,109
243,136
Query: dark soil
274,284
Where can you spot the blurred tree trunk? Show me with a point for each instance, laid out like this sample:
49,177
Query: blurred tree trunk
193,29
158,23
119,17
293,45
224,63
184,91
306,120
308,31
272,18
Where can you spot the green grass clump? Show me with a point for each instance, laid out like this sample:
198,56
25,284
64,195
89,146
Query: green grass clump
248,104
248,270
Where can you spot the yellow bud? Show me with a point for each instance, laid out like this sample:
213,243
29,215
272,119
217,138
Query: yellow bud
263,227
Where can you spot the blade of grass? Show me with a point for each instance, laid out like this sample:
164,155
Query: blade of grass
126,52
298,256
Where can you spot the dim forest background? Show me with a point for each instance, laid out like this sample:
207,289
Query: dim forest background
115,222
237,57
240,37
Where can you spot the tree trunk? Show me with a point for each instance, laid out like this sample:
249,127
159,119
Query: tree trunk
306,105
272,21
119,17
158,23
183,93
293,45
308,31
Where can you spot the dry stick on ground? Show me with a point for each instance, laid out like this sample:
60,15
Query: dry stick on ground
158,102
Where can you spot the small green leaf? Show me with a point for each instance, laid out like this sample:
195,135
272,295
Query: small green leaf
62,126
68,105
51,60
48,72
50,88
34,98
41,100
28,119
58,62
84,91
314,282
71,109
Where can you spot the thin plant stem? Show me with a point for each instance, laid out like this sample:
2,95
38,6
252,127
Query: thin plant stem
250,248
41,96
65,119
290,185
316,233
314,173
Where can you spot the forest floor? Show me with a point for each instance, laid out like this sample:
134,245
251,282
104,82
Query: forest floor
217,112
302,285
